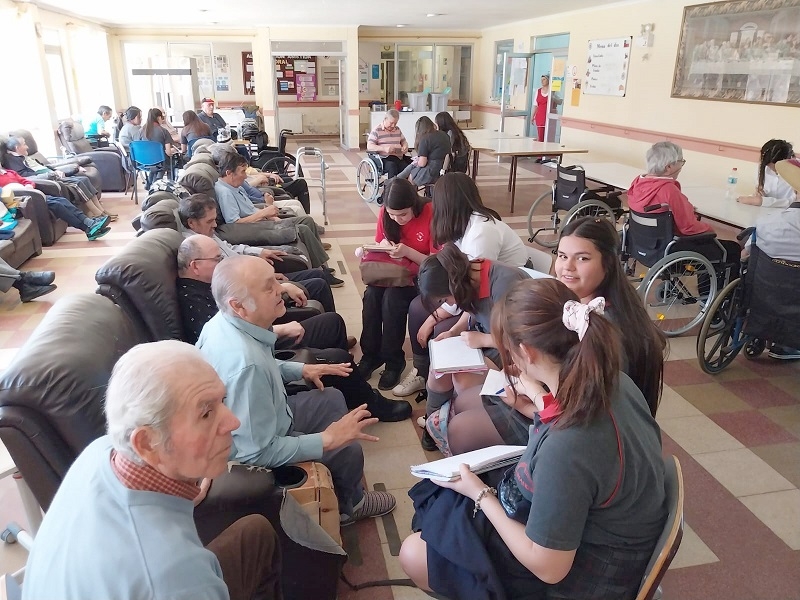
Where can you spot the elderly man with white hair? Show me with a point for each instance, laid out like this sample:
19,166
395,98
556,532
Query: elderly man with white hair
278,429
121,524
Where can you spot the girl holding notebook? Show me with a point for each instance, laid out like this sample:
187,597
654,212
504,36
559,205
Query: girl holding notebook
404,226
587,262
473,286
530,531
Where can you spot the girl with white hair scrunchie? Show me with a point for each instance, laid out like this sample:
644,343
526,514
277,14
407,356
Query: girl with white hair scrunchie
580,514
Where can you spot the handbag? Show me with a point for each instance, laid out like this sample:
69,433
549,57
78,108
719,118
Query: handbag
381,270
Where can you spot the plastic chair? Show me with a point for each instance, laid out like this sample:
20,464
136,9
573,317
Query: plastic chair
671,536
145,155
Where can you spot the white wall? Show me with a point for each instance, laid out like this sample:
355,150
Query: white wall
648,104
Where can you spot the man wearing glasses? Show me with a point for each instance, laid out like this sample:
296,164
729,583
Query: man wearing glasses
390,144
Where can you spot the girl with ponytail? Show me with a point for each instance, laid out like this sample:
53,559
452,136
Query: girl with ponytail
581,512
772,190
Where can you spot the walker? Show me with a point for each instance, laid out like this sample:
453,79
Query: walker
320,183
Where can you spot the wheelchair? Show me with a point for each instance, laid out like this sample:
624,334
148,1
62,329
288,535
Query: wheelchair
274,159
570,196
683,273
751,312
370,177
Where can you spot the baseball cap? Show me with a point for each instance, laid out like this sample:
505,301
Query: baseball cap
204,100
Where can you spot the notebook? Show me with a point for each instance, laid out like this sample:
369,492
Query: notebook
479,461
378,248
452,355
496,382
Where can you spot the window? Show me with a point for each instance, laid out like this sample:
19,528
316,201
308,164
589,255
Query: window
58,82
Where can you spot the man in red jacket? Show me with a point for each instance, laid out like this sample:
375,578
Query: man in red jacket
660,186
62,208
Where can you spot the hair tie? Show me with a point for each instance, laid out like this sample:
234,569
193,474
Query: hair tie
576,315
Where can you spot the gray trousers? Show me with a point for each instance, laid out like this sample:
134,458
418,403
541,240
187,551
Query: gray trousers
8,276
313,411
307,232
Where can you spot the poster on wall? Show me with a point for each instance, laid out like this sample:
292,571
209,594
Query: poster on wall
248,73
607,67
296,76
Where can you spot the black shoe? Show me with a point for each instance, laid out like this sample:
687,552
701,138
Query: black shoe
427,442
29,292
390,377
387,410
38,277
367,366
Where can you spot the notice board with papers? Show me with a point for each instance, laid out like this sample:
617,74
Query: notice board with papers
607,66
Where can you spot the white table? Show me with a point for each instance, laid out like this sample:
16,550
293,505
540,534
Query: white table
407,122
710,202
29,502
518,147
616,175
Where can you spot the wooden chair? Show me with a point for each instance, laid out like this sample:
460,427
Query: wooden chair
670,539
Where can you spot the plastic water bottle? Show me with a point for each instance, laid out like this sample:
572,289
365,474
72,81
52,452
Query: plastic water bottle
730,188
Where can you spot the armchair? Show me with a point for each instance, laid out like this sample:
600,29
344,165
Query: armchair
51,408
27,241
50,227
141,280
111,162
67,165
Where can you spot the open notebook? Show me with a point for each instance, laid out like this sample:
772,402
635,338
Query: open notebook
452,355
479,461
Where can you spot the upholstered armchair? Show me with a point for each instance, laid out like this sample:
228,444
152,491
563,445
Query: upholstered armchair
111,162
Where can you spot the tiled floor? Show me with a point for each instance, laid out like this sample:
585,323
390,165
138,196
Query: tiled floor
736,434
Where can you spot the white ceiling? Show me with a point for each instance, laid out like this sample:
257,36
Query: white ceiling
245,14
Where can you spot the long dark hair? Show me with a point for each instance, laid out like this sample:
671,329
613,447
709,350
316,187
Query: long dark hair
772,152
423,127
193,125
446,123
152,122
447,273
643,343
456,197
531,314
399,194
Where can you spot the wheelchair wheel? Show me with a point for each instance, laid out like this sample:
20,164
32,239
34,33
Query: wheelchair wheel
720,336
544,236
678,290
754,347
367,180
589,208
282,165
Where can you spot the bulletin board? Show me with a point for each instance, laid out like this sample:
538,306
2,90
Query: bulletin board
296,76
248,73
607,67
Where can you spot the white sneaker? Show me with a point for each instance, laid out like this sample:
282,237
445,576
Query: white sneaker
412,384
421,421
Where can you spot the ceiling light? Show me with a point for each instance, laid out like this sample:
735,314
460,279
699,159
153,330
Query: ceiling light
401,25
434,15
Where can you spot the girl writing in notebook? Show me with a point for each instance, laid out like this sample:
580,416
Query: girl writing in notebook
530,531
772,190
587,262
473,286
404,225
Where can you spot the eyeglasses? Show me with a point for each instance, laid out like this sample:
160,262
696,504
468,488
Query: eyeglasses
219,258
681,161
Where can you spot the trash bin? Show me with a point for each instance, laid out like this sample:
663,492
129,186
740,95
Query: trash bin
418,101
438,102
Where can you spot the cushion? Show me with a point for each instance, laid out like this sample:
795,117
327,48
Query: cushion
161,215
156,197
143,272
197,182
203,158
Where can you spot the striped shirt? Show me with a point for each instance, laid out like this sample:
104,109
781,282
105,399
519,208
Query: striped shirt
382,137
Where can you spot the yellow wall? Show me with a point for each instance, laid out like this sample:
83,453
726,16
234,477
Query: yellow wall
647,104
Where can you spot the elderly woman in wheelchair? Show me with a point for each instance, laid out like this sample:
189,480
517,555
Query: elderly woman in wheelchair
759,307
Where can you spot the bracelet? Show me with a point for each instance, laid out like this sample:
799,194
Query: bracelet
484,492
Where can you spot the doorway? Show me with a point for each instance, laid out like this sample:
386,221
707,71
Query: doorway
550,58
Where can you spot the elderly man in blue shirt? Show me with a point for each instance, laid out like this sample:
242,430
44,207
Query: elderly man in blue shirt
277,429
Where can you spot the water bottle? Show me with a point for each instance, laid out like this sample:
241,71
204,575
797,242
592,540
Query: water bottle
730,188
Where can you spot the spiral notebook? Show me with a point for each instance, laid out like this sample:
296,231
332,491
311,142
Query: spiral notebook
479,461
452,355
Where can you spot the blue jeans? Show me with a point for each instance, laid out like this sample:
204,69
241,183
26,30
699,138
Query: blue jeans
66,211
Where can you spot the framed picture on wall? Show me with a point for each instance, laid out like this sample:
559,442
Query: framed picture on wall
740,51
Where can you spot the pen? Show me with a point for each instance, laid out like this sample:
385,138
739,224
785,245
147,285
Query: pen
500,391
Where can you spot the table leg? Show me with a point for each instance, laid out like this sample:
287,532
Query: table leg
512,180
475,154
511,171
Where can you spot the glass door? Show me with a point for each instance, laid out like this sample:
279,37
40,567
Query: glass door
343,133
515,94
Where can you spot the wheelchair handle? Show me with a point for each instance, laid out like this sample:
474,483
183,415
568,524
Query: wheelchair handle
653,207
745,233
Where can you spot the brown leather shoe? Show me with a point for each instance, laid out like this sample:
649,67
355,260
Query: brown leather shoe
326,246
351,342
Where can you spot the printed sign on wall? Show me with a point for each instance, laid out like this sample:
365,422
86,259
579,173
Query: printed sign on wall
607,67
